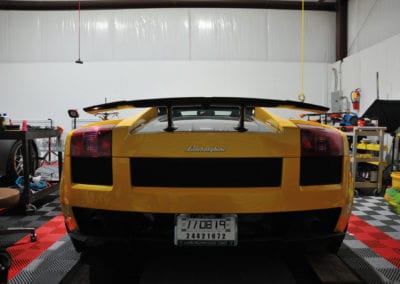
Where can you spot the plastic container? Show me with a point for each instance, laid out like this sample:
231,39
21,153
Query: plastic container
24,126
395,179
392,196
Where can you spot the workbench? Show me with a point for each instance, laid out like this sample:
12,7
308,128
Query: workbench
27,196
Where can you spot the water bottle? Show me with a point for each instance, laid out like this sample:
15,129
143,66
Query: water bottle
6,119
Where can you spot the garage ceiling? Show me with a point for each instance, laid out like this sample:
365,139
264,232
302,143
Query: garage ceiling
321,5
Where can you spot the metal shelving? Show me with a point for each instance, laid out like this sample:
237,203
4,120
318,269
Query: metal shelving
27,197
370,157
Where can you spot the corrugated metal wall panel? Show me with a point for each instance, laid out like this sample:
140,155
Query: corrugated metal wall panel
165,34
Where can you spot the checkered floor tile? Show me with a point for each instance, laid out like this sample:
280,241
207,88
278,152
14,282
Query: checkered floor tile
375,211
374,235
374,228
48,208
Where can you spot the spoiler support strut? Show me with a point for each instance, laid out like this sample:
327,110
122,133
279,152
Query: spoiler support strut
240,127
170,126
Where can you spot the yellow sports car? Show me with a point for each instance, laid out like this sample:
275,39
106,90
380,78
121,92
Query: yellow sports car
206,171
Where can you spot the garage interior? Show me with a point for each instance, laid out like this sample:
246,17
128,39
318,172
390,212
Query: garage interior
61,56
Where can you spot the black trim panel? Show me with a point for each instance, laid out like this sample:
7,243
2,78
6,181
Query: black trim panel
321,170
206,172
91,170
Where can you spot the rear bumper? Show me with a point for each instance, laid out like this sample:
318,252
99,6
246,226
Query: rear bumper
106,228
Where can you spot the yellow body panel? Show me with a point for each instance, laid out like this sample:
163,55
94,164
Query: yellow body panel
282,141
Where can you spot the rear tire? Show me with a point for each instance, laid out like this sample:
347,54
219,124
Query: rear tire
78,245
334,245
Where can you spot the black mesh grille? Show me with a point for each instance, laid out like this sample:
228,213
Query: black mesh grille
92,170
206,172
321,170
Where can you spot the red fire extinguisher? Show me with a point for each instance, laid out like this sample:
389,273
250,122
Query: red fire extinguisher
355,98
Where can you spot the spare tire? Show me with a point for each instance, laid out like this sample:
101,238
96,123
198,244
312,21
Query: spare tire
15,161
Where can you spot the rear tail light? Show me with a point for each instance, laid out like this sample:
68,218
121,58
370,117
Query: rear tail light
320,141
94,141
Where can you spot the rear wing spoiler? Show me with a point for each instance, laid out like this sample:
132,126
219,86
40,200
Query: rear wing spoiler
206,102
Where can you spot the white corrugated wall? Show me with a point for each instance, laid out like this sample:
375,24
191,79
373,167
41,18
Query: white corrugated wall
145,53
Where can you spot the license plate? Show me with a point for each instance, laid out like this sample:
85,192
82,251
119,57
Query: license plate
208,230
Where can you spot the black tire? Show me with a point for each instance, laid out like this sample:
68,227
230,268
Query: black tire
78,245
15,166
334,245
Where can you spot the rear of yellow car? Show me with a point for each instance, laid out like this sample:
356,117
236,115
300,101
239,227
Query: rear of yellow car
130,181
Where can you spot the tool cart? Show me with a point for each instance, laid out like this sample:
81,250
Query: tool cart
28,196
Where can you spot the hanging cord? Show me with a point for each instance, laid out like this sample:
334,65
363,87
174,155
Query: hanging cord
301,96
79,61
361,27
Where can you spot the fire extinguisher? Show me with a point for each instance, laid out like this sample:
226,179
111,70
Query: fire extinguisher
355,98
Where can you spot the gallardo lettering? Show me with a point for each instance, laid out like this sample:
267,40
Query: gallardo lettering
194,148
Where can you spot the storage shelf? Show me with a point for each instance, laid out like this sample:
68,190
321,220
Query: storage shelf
374,155
366,184
371,160
371,147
